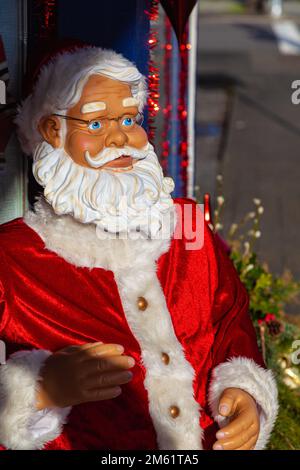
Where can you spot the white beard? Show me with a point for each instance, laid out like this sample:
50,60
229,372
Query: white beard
117,202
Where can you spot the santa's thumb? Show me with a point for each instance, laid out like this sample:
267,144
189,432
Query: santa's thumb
227,404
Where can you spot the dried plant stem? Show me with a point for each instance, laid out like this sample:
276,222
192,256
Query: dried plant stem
262,330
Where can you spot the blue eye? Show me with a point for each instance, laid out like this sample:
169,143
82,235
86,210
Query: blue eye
95,125
128,122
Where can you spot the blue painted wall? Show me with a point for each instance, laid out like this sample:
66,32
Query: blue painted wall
121,25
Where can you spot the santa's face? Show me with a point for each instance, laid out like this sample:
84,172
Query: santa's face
106,117
102,169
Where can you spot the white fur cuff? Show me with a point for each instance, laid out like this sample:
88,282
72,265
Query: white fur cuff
22,426
244,373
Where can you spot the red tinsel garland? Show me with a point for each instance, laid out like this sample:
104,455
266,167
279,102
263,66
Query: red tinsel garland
153,73
167,107
184,48
44,13
182,111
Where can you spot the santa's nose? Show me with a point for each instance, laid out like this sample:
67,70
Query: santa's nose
115,137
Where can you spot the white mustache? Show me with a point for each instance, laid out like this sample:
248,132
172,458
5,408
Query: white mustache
114,201
110,154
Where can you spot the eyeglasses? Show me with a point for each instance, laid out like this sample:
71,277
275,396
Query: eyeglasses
99,126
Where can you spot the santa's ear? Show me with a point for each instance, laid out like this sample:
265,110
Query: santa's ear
50,127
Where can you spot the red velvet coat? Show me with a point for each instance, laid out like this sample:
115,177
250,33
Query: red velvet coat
48,303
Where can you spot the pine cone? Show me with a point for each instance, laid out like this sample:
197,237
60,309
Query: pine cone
274,327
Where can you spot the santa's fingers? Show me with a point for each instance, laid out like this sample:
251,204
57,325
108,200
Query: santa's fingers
228,403
105,364
107,379
99,350
102,394
236,440
241,423
79,347
70,349
249,445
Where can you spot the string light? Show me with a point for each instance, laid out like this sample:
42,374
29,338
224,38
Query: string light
45,12
153,72
165,144
182,150
154,95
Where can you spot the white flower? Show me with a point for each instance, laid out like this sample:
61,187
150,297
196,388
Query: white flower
218,226
251,215
257,201
247,248
219,178
233,229
220,200
248,268
260,210
257,234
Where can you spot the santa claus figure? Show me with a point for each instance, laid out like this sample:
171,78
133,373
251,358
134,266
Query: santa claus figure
120,332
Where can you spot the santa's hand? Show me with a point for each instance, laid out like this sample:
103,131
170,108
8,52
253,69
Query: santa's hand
242,431
80,374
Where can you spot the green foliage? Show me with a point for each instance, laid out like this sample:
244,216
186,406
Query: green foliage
286,433
269,296
268,293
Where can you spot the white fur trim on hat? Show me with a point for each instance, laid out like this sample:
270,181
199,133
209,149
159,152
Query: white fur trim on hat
60,84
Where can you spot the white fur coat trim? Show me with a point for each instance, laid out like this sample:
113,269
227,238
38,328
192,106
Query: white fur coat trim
244,373
167,385
134,265
80,245
22,427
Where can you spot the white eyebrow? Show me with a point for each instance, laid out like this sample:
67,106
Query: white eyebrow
94,106
127,102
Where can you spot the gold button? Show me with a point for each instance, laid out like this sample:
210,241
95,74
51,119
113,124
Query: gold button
174,411
142,303
165,358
